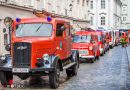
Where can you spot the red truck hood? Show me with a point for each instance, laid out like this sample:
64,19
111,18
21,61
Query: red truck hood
43,45
80,46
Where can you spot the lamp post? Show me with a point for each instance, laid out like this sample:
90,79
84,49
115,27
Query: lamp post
8,23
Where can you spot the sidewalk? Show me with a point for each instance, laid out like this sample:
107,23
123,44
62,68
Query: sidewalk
128,55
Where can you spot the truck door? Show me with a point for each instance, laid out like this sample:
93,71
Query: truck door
68,39
60,41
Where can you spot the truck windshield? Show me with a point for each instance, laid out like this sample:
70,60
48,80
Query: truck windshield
36,29
81,39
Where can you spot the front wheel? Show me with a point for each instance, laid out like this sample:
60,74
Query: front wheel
54,77
73,70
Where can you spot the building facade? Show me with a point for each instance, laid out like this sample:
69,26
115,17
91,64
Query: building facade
128,14
105,14
124,14
77,9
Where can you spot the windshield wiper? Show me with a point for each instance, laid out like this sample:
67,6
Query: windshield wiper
21,27
38,27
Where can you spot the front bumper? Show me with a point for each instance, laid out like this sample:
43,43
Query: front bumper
34,70
101,50
41,69
30,70
87,57
111,44
5,68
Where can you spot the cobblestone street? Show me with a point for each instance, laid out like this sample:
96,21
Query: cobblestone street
108,73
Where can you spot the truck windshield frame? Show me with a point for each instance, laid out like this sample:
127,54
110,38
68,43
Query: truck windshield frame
82,38
34,30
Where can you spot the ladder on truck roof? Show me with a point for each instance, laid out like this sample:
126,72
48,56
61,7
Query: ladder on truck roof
43,13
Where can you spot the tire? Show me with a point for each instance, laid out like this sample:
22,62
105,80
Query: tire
97,57
5,77
111,46
73,70
92,60
102,54
54,77
68,72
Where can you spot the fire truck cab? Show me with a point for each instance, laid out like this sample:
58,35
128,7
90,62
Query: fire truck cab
116,37
86,43
107,40
111,39
42,46
101,41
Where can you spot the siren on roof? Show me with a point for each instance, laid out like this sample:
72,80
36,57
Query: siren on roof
49,19
18,20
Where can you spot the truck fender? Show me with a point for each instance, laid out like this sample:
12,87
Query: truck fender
55,60
75,53
8,63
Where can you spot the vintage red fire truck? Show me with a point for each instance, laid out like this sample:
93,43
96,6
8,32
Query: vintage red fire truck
101,41
86,43
111,39
41,46
107,40
116,37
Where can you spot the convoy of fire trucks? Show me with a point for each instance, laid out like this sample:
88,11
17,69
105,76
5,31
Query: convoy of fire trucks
45,46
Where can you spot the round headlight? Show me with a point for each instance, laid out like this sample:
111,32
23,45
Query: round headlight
90,48
3,57
45,57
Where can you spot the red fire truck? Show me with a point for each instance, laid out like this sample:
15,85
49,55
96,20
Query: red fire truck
41,46
111,39
116,37
101,41
86,43
107,40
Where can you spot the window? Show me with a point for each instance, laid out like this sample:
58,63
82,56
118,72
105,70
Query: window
31,2
91,4
68,29
34,29
91,21
124,18
83,2
59,32
77,1
81,38
102,20
102,4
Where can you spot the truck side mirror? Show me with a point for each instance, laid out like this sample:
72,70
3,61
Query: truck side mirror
63,28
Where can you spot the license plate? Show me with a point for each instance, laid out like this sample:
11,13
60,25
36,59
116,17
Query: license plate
20,70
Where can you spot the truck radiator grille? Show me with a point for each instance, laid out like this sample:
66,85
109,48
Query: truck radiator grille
21,54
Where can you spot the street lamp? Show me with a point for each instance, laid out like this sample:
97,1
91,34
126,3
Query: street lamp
8,21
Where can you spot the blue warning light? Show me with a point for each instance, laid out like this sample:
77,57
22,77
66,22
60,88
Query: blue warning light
18,20
49,19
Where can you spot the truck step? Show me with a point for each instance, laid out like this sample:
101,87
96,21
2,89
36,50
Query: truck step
69,65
